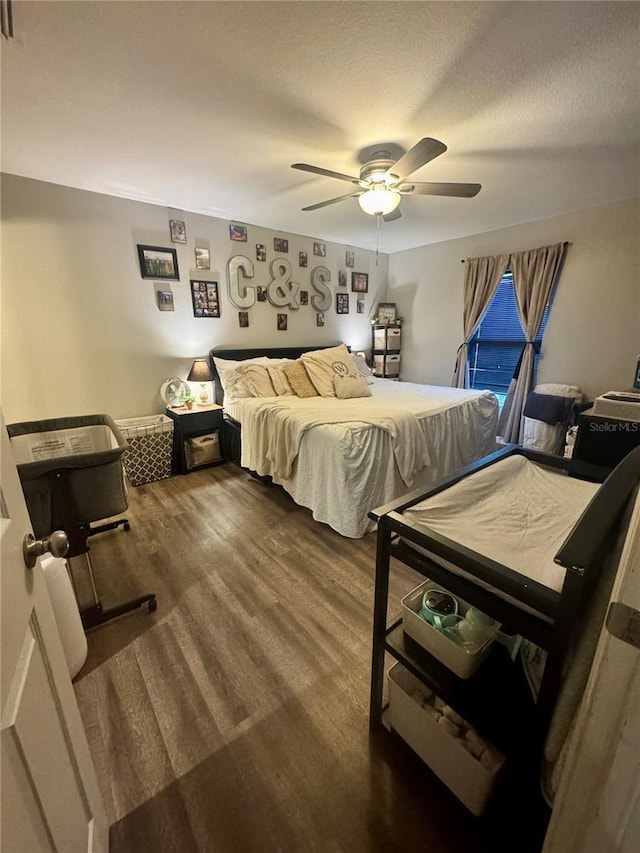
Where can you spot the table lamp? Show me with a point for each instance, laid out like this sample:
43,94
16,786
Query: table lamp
201,372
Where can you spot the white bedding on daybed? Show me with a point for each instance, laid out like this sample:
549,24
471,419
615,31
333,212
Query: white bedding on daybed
515,512
342,470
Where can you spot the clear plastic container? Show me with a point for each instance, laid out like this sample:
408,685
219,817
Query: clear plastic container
474,629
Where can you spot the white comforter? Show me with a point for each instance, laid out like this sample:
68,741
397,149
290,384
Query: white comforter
273,431
344,465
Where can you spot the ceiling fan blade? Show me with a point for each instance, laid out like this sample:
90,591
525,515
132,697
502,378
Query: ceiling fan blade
316,170
421,153
333,200
395,214
454,190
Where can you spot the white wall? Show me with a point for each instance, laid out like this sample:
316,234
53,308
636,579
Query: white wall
593,333
81,332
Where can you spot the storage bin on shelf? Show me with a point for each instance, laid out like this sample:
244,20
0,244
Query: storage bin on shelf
468,765
387,337
203,450
394,336
148,457
453,655
386,365
392,365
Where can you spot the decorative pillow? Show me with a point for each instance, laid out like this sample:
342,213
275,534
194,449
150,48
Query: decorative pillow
323,365
353,385
363,368
299,379
280,382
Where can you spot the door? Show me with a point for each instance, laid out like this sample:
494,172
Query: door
597,807
50,799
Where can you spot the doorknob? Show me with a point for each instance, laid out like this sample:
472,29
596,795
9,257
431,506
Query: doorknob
57,545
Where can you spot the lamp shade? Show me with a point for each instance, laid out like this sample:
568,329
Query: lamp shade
379,200
200,371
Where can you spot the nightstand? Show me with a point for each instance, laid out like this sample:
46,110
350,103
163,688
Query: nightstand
192,423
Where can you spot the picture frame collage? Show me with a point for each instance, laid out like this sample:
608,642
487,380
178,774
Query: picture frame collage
161,264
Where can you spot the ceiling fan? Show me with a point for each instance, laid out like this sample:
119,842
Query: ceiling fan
382,182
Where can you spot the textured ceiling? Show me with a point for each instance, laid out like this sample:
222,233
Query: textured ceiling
203,106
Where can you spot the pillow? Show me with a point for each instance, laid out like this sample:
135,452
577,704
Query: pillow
353,385
323,365
363,368
235,386
280,382
226,366
256,379
299,379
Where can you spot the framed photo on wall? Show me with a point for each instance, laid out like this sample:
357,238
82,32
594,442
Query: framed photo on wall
342,303
203,258
178,231
164,300
386,312
350,259
158,262
204,295
238,233
280,245
359,282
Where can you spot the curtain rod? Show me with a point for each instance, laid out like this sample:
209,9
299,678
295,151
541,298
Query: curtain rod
565,244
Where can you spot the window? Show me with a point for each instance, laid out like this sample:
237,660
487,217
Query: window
496,345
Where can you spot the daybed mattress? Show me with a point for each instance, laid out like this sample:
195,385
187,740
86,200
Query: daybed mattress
515,512
343,470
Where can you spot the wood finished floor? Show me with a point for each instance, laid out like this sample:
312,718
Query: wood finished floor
235,718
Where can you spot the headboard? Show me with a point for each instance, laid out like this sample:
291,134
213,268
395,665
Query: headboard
242,354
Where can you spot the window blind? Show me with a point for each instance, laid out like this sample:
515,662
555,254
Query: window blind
495,347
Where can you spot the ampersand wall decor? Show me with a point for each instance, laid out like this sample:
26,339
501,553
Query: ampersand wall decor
281,291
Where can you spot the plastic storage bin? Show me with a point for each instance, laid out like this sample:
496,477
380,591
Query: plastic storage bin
448,652
466,776
150,440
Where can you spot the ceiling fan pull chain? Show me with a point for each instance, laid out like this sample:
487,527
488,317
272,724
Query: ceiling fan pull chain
377,235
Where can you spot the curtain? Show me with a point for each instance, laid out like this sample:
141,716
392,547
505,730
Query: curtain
481,279
534,275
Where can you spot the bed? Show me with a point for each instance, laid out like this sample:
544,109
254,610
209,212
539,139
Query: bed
351,456
530,539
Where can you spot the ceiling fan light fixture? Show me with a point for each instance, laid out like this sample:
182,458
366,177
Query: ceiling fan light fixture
380,200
